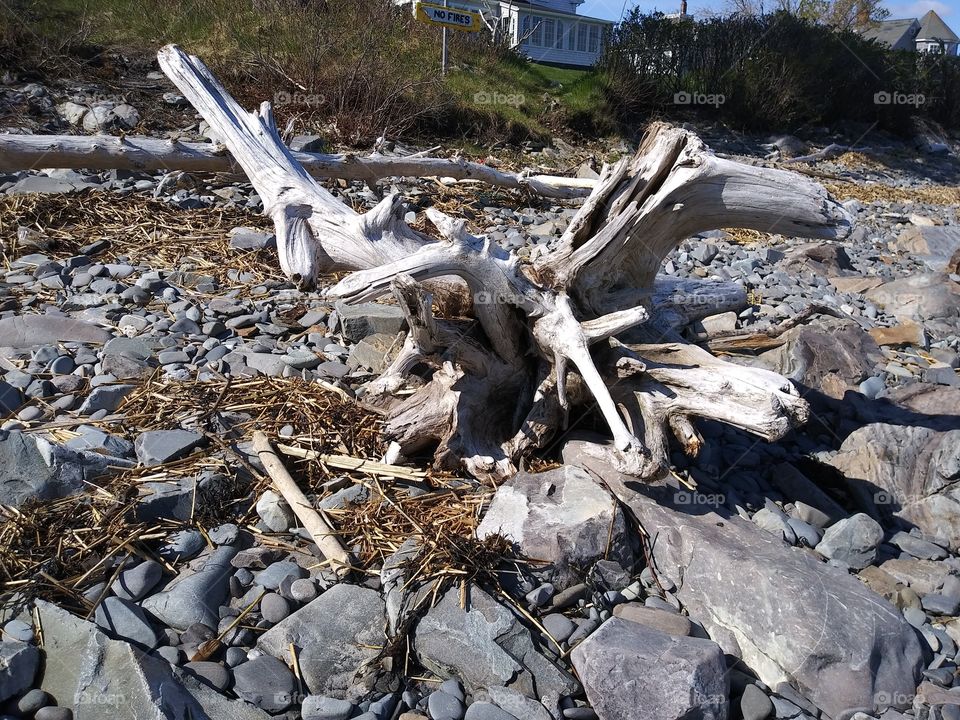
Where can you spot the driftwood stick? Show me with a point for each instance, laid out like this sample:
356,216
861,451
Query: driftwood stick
321,532
132,152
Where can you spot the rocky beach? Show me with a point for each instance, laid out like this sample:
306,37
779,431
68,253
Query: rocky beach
150,569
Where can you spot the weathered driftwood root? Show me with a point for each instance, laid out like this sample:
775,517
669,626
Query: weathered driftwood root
131,152
541,346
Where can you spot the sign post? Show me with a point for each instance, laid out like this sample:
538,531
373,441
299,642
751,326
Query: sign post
443,50
447,18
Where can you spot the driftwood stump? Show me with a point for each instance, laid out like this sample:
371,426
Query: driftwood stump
539,342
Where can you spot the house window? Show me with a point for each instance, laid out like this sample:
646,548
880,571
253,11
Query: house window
549,27
594,38
559,41
536,37
582,38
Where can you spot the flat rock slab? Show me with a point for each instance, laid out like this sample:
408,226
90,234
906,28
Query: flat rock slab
626,667
156,447
363,319
32,467
485,646
795,621
195,598
23,331
98,677
563,517
337,634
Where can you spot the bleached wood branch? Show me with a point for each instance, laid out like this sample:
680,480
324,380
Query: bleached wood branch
109,152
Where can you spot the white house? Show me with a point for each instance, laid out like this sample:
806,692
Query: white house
547,31
927,34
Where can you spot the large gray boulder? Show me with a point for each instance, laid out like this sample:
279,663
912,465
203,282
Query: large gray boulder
793,619
195,597
33,468
338,635
935,245
487,646
832,356
910,473
98,677
626,667
563,517
932,299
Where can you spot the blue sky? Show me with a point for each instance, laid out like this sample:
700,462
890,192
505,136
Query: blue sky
949,10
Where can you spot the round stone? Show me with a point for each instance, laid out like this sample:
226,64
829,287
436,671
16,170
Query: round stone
63,365
303,590
274,607
53,713
559,626
265,682
135,583
32,701
754,704
234,656
17,630
454,688
444,707
211,673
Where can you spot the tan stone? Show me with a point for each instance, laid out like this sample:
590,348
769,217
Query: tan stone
923,576
661,620
855,283
906,333
412,716
880,581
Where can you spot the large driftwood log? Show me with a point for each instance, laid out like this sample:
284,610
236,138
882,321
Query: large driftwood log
541,343
130,152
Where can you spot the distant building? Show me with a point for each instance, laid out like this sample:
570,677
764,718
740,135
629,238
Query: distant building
547,31
928,34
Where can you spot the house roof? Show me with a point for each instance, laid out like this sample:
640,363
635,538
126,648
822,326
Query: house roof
539,7
932,27
889,32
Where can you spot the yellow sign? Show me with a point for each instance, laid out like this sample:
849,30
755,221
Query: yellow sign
448,17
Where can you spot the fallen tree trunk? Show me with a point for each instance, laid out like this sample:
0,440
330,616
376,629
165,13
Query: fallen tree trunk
109,152
540,344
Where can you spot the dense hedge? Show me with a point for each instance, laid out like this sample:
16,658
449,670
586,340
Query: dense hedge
774,71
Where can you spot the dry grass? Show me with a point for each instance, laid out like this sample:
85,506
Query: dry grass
140,229
56,550
874,192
